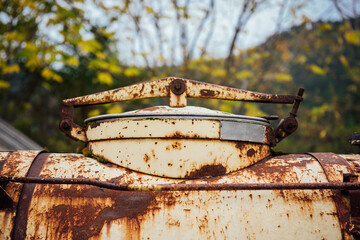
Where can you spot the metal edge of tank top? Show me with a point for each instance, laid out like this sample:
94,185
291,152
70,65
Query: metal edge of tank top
239,118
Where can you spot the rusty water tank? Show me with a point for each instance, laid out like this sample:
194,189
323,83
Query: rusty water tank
179,172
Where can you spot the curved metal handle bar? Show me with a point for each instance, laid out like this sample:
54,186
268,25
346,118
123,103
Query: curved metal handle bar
164,87
177,89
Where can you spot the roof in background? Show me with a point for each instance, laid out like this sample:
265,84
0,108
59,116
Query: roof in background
12,139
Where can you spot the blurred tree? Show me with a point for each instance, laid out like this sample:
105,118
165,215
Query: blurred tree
50,51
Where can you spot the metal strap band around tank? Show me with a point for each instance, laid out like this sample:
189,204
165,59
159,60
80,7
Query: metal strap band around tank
21,218
5,200
335,167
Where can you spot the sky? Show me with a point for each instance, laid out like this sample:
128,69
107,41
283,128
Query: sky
259,27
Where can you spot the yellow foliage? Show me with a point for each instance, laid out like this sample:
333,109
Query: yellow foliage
353,37
252,109
244,74
94,112
132,72
94,64
149,9
49,74
344,61
14,36
325,27
355,74
323,133
4,84
100,55
115,69
317,70
286,55
11,69
283,77
218,72
104,78
90,46
30,47
203,68
301,59
225,107
115,109
265,54
317,112
32,63
72,61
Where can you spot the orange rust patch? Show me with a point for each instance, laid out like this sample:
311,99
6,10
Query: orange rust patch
151,109
251,152
240,145
178,134
146,158
84,218
207,171
176,145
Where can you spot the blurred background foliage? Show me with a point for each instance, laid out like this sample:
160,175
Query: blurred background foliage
56,49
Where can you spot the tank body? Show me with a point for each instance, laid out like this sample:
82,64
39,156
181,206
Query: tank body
179,172
62,211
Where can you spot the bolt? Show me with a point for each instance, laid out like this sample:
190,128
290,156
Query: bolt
65,125
177,86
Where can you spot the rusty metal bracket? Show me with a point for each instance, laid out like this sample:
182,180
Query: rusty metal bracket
186,186
337,169
289,124
177,89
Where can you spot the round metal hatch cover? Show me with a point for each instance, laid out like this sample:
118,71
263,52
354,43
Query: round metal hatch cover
183,112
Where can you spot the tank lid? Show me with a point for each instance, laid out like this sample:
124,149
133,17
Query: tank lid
176,112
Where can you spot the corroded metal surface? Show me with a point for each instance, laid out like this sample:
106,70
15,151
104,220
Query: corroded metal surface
88,212
184,186
13,163
154,128
189,112
180,158
21,220
161,88
178,90
336,168
180,147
